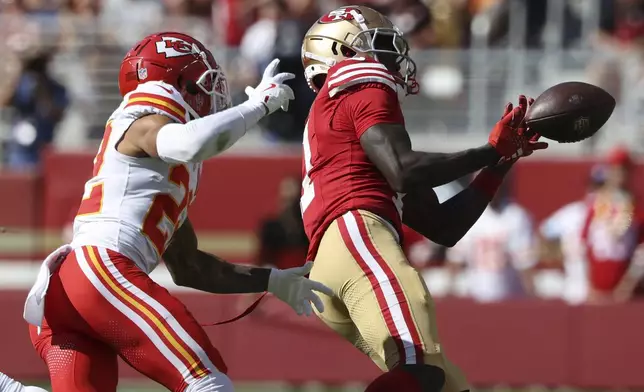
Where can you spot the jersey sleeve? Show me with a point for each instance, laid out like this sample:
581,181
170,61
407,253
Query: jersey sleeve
368,106
156,98
354,72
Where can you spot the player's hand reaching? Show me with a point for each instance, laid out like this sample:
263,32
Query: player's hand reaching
272,91
510,137
292,286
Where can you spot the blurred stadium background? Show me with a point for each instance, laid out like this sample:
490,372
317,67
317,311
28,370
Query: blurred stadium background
523,308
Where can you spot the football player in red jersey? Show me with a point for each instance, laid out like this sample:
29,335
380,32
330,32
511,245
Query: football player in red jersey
362,180
94,300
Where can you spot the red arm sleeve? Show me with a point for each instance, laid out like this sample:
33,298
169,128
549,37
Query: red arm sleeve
371,105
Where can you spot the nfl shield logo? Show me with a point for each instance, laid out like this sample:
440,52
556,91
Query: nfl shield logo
143,73
581,125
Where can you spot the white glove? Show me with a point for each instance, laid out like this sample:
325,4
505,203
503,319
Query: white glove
292,287
272,91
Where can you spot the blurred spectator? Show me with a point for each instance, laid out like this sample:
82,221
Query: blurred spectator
612,232
278,32
621,34
282,241
496,16
230,19
421,252
39,103
497,254
561,239
599,235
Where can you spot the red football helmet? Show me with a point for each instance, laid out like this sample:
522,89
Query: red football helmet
181,61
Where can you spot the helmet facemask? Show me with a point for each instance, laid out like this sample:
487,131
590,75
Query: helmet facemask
209,93
389,48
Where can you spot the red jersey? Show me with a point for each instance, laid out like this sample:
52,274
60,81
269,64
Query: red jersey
611,233
338,175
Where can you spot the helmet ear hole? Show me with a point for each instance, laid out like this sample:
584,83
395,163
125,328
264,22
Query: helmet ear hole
318,81
191,87
347,52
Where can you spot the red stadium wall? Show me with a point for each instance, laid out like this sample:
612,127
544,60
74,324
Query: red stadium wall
515,343
234,194
236,191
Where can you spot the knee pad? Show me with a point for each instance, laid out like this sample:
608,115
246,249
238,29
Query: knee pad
430,378
214,382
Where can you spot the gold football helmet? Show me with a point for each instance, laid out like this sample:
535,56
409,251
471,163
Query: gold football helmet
356,31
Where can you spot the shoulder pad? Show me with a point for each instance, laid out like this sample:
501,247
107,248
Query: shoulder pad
156,98
355,71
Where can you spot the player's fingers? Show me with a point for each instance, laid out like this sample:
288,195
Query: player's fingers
303,270
507,110
249,90
317,286
306,308
535,137
317,302
523,102
530,101
271,68
282,77
289,92
515,117
538,146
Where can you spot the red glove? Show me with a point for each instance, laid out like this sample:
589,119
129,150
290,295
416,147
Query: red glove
510,137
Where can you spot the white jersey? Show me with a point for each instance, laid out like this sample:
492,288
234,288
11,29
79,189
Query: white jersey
133,205
494,250
566,225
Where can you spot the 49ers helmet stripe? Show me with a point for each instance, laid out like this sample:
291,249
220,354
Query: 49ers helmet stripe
165,104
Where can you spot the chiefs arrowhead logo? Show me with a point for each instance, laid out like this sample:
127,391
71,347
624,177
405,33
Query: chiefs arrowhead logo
174,47
339,15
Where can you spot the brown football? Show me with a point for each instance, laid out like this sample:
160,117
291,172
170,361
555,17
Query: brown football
570,112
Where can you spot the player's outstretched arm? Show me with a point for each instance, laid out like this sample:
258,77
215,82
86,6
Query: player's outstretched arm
206,137
388,145
446,223
193,268
190,267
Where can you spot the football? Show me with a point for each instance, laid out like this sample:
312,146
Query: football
570,112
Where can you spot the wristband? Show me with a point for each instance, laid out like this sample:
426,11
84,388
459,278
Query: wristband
487,182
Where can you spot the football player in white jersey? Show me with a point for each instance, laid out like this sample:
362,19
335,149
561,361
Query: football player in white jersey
100,302
8,384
